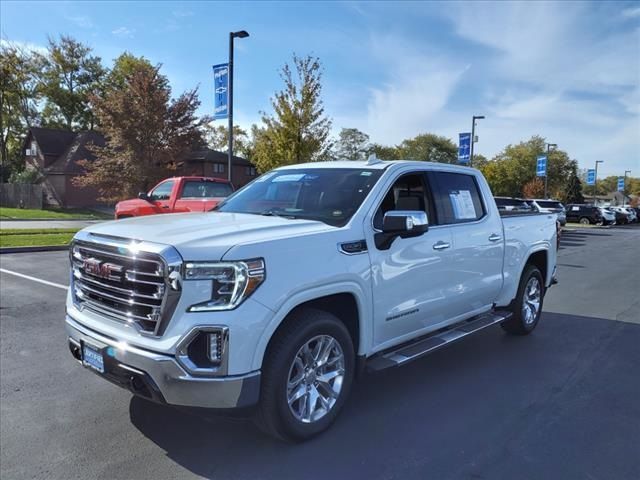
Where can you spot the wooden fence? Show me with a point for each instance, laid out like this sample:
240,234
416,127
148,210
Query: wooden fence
21,195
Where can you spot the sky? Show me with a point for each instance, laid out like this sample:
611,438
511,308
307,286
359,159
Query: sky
568,71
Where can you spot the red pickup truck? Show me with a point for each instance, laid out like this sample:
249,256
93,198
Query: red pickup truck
175,195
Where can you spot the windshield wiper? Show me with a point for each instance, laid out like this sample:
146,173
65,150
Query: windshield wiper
276,212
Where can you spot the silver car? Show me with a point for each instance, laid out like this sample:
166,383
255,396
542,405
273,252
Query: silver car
551,206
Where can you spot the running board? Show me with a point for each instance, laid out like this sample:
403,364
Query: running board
415,349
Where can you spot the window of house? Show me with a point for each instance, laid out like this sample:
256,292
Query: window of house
218,168
250,171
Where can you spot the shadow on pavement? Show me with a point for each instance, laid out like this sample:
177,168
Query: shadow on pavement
490,406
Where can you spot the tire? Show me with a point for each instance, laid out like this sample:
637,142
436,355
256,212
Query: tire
284,366
524,320
585,221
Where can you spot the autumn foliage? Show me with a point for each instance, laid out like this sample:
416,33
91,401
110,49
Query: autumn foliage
146,132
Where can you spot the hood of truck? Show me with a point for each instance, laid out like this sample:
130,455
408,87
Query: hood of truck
206,236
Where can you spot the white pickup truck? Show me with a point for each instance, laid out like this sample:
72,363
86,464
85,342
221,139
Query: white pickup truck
299,282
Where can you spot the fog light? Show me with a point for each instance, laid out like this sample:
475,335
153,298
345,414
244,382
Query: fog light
215,347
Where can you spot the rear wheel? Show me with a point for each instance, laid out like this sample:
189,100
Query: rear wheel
585,221
527,307
306,376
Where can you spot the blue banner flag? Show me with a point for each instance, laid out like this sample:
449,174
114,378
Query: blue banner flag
221,89
464,148
541,166
621,184
591,176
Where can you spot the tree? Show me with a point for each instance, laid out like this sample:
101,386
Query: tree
430,148
19,94
70,76
298,130
146,134
217,138
509,171
352,144
534,188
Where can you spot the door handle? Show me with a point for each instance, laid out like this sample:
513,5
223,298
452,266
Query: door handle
165,206
495,238
441,245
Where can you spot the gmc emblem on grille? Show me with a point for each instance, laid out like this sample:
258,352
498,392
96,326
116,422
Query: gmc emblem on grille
109,271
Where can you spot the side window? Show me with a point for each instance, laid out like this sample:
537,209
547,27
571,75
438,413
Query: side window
407,193
457,198
162,191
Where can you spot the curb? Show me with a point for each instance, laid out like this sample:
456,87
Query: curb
52,248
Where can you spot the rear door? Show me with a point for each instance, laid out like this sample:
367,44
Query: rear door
478,245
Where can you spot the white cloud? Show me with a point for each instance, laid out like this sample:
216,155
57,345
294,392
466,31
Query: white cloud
82,21
123,32
631,12
182,13
24,45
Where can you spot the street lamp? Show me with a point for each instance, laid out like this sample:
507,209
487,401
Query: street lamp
595,183
546,173
473,135
624,187
232,35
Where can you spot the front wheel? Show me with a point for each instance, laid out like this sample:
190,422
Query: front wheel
306,377
527,307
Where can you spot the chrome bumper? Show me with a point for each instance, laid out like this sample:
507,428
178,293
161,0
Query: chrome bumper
159,377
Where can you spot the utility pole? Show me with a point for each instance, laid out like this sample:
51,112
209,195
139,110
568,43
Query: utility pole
624,189
546,173
473,135
232,35
595,183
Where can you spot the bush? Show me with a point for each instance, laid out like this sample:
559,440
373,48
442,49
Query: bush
26,176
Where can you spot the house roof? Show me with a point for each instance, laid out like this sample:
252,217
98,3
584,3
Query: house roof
52,141
213,156
75,151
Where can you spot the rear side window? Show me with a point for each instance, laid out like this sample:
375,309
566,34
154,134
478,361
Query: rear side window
457,198
203,189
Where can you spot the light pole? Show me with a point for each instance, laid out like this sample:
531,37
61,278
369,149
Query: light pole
595,183
546,173
473,135
624,187
232,35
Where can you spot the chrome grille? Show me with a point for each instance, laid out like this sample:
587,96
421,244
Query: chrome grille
122,283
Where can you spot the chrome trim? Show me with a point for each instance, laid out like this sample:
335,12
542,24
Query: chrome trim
182,355
160,303
176,385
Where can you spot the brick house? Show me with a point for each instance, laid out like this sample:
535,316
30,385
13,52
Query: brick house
55,153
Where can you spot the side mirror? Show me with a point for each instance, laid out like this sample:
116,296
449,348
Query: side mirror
403,224
144,196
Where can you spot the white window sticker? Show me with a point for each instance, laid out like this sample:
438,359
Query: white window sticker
462,204
575,209
292,177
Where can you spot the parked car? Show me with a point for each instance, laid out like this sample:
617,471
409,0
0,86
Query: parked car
608,216
585,214
177,195
622,214
550,206
512,204
633,216
307,276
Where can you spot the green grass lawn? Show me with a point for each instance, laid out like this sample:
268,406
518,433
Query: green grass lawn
24,237
7,213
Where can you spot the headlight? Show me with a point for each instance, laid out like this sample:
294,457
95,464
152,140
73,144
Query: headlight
231,282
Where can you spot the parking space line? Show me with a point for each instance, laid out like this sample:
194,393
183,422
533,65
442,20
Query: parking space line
34,279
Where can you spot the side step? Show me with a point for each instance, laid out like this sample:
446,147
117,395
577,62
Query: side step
418,348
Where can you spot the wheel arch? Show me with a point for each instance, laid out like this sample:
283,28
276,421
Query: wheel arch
347,304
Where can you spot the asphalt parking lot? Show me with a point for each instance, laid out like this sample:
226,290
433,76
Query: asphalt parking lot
562,403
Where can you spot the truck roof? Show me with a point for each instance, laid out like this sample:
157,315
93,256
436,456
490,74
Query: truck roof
374,165
200,177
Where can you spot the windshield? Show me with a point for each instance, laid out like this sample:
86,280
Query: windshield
549,204
329,195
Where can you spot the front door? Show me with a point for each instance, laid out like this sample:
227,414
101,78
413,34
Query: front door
410,280
161,196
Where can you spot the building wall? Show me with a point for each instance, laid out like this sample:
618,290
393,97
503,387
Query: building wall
79,196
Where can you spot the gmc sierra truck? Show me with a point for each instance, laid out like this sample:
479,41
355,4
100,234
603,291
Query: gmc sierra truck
301,281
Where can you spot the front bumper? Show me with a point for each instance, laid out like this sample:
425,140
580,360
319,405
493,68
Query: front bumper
159,377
